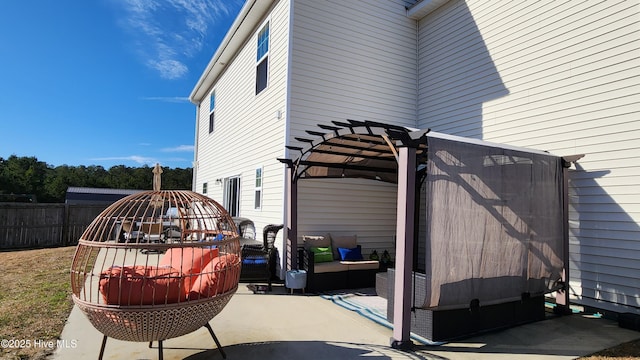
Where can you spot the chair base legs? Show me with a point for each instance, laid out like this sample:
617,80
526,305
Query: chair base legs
160,356
104,342
224,356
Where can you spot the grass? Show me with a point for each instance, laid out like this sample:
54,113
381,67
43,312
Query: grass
35,301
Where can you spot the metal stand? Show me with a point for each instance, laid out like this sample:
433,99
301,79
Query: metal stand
160,356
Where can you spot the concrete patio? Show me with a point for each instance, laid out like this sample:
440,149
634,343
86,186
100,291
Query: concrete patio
279,325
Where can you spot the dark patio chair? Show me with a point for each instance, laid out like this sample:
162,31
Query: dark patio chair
246,228
259,260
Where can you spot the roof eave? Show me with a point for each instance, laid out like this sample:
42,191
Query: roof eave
242,28
423,8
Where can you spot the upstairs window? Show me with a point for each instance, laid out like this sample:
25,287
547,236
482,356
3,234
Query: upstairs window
212,111
262,67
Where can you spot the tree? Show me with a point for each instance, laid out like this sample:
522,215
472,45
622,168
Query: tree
24,175
27,175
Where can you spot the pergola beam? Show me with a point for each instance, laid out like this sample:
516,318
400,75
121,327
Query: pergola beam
372,157
347,166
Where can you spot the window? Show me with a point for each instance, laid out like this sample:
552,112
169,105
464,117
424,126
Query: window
212,108
204,188
262,67
232,195
258,189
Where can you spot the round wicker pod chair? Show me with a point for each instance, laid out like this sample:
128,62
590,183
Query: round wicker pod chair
156,265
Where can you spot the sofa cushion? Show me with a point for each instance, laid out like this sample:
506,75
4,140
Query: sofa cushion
217,277
310,241
333,266
141,285
321,254
347,242
189,260
353,254
361,265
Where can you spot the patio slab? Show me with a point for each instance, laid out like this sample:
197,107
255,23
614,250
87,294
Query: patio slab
278,325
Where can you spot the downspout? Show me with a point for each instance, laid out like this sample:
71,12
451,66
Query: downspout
417,84
290,186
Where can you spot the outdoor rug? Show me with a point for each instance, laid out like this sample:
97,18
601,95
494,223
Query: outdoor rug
366,303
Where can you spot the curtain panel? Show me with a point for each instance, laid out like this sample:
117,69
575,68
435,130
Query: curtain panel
494,223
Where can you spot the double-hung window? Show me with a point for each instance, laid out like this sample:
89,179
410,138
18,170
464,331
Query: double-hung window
258,189
212,111
262,67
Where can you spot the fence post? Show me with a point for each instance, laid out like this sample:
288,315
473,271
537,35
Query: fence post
65,226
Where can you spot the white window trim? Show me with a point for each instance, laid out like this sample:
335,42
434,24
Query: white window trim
265,55
212,110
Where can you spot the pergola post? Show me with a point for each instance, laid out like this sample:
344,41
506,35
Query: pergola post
292,220
406,208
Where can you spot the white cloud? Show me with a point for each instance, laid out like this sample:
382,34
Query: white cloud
170,32
169,69
179,148
169,99
142,160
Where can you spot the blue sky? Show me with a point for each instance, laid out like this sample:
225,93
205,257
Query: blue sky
105,82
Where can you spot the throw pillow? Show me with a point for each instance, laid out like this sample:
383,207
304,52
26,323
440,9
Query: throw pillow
141,285
352,254
218,276
321,254
347,242
189,260
310,241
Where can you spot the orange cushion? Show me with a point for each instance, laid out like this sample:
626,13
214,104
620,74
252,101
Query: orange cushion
190,261
219,276
141,285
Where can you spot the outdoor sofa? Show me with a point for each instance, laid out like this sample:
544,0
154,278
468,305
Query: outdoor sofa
335,262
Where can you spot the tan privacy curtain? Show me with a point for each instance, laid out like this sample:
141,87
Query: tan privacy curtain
494,223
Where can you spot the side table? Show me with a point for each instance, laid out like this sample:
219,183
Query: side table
296,279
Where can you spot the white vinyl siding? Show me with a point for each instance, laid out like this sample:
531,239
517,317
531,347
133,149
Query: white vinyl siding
560,76
247,129
350,60
350,206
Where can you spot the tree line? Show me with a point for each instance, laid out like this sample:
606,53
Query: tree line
26,179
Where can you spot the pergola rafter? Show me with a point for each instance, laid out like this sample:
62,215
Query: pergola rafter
361,149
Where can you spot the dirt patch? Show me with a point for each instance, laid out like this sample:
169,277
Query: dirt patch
626,351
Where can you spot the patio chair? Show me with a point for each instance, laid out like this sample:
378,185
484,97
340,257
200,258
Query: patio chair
129,232
246,227
259,260
150,297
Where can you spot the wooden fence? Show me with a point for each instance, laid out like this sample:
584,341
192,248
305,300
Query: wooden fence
44,225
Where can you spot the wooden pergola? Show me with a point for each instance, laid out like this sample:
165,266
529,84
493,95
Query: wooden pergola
381,152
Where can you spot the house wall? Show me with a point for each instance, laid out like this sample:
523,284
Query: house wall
248,132
560,76
350,60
